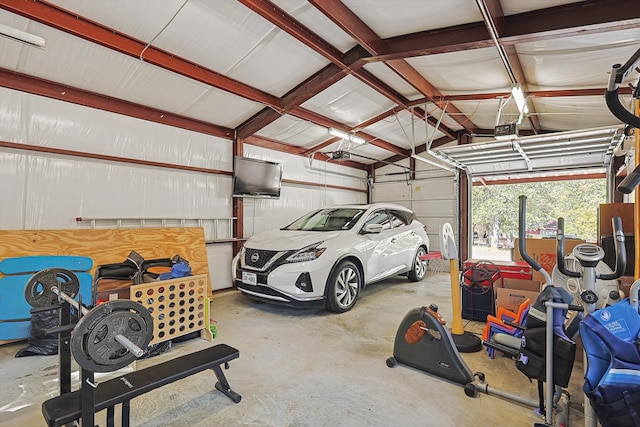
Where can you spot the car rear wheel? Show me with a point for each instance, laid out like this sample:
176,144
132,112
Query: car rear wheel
419,269
343,287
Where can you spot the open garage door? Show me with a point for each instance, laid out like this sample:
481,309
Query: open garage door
513,155
551,157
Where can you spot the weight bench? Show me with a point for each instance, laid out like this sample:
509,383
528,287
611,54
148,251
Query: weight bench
66,408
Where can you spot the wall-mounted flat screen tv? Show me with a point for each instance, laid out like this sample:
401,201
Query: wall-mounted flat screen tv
256,178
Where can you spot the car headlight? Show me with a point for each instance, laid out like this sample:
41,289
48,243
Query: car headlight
307,254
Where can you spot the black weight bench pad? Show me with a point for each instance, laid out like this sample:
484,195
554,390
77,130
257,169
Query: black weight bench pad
66,408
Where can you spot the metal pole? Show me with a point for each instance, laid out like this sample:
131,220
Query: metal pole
548,401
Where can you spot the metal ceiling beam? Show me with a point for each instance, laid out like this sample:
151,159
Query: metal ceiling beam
373,120
581,18
494,19
330,123
287,23
298,95
352,65
325,144
350,23
34,85
51,15
78,26
279,146
415,79
534,94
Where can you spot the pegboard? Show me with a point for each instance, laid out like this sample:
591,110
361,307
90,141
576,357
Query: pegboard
178,306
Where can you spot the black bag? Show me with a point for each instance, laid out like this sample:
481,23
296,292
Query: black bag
40,344
532,357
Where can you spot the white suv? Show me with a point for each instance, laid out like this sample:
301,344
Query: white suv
324,258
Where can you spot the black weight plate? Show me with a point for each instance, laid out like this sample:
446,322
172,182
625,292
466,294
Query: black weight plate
93,342
39,293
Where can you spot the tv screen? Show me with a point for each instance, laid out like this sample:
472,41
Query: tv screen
257,178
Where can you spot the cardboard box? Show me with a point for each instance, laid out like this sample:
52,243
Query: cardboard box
510,293
544,252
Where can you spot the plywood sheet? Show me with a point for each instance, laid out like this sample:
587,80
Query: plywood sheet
108,246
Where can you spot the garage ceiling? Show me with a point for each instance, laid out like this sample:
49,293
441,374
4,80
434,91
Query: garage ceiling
406,75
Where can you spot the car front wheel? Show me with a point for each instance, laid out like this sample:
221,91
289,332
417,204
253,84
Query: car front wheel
419,269
343,287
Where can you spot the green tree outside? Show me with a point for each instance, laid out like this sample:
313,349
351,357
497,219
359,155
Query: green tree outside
495,207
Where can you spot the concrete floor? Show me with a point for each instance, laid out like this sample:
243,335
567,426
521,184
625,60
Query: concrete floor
304,368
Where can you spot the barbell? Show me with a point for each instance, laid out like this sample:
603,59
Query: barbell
107,337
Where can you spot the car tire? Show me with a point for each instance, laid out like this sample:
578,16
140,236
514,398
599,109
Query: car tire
343,287
419,268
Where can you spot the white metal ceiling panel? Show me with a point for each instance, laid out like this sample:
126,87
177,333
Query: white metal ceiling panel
295,131
244,46
223,36
403,130
484,113
142,19
391,78
511,7
393,18
221,108
317,22
562,113
108,72
462,72
349,101
580,61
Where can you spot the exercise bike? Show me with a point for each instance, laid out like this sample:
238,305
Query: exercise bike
424,342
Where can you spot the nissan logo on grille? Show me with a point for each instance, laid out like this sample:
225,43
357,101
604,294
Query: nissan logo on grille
254,257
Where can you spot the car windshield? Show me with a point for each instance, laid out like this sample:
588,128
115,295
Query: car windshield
327,220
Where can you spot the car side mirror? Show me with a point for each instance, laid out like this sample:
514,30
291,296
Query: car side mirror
372,229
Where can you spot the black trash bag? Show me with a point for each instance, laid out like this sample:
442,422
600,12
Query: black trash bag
40,344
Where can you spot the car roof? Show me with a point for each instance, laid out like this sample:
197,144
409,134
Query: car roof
370,206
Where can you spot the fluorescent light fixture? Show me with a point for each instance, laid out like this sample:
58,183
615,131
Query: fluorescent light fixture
436,164
21,36
348,136
521,101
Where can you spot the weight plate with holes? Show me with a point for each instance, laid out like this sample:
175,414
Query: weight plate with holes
93,340
39,289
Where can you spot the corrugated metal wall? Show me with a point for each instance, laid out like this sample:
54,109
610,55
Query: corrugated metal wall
41,190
